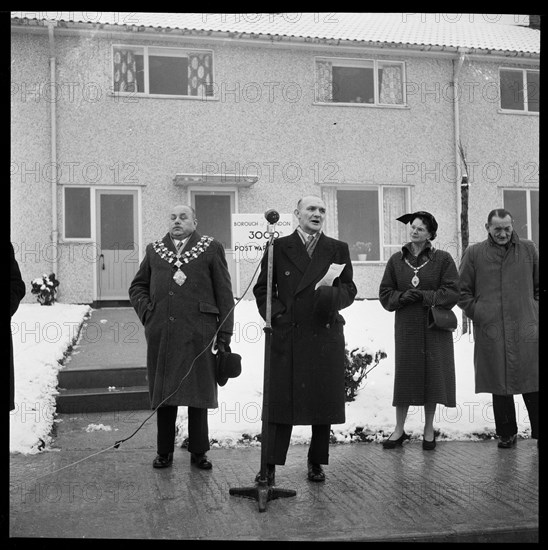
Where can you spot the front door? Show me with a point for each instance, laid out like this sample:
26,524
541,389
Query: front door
214,213
117,243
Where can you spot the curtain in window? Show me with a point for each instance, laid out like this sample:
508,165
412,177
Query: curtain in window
395,232
391,85
324,82
200,74
125,71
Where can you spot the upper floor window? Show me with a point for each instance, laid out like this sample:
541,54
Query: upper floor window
359,81
163,71
520,90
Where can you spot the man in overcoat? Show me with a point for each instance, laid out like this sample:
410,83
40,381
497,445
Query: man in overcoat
182,294
307,346
499,291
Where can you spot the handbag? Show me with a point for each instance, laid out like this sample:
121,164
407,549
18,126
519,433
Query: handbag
441,318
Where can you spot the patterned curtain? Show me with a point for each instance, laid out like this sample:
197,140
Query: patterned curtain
395,232
391,85
324,82
125,71
200,74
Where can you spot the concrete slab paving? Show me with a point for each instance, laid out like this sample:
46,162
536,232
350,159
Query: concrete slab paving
84,488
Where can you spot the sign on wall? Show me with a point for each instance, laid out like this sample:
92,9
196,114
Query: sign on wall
250,234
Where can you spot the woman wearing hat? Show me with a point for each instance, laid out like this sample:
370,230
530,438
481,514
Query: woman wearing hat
416,278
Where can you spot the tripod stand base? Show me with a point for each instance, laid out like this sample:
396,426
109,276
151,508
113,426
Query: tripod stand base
262,493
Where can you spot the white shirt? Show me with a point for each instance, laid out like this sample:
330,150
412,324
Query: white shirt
177,241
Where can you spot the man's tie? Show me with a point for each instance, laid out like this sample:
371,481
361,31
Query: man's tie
309,241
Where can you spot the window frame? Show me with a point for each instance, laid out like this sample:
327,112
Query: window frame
91,199
358,62
525,110
93,210
527,191
164,51
380,191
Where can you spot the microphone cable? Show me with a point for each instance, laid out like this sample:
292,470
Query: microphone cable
117,444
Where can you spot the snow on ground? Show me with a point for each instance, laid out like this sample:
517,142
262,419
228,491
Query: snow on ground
44,335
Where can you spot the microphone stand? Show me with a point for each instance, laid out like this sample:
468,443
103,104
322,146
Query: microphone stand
262,492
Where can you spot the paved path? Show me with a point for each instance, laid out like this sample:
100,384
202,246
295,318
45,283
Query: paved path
460,492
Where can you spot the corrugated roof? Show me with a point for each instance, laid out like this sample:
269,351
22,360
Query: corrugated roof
507,33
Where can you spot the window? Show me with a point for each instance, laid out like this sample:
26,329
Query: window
213,212
368,215
359,81
520,90
77,213
162,71
523,204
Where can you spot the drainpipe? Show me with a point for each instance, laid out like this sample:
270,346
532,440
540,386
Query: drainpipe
53,140
456,70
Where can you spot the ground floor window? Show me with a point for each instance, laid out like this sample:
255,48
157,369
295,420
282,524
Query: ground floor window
366,220
523,204
76,213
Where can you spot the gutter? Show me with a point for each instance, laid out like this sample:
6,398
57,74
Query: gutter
456,112
53,153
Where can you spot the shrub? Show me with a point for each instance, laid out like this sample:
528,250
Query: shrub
358,366
45,288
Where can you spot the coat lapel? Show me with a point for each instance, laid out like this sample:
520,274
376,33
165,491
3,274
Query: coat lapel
320,261
194,238
296,252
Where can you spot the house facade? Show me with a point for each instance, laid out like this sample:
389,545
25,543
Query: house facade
117,117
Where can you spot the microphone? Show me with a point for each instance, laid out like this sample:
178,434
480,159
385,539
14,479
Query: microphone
272,216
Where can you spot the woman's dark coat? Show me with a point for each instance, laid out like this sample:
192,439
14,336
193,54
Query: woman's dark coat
307,361
500,293
424,361
17,292
180,322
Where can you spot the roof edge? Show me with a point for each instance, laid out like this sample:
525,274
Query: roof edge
247,37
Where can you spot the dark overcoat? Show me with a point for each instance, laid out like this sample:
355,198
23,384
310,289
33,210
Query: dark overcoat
17,293
500,293
307,345
180,321
424,357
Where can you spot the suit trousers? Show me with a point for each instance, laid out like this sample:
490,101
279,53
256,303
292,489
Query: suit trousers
505,414
198,432
279,437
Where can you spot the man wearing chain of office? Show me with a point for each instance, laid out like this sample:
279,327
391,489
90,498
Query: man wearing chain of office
182,294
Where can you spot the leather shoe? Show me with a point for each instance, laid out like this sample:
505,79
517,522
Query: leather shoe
391,443
201,461
429,445
507,442
270,474
315,472
163,461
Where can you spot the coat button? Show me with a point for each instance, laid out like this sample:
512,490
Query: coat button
172,318
287,273
170,292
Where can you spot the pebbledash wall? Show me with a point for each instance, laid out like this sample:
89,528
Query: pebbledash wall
298,146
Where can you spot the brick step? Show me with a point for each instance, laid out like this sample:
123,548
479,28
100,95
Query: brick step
101,399
99,377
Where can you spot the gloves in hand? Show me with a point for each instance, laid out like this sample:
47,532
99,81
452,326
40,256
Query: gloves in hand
223,342
410,296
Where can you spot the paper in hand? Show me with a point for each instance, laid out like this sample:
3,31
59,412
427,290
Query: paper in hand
332,273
